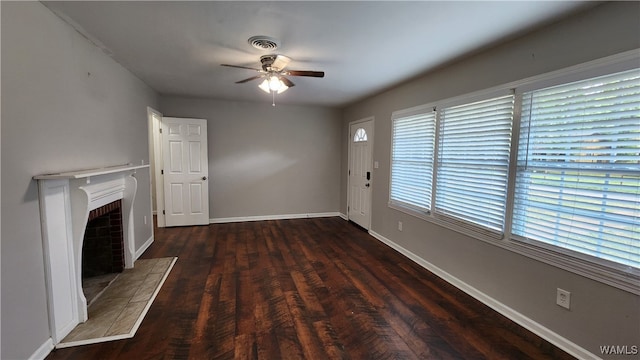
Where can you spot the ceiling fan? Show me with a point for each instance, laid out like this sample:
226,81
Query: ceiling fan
274,73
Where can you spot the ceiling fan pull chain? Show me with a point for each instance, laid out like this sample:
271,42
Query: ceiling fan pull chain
273,98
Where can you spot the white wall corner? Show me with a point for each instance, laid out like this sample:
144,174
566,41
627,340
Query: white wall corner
43,351
143,248
520,319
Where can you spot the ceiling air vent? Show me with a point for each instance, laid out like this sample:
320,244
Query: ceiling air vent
262,42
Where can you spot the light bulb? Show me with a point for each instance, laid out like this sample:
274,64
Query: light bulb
274,83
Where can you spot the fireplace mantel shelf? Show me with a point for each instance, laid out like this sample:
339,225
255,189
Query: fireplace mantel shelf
80,174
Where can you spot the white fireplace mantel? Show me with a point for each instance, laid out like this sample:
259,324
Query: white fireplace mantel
88,173
66,199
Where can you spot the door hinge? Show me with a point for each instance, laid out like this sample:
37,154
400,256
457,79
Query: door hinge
163,213
349,172
160,130
161,172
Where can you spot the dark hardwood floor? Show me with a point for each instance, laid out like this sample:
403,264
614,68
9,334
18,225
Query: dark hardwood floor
308,289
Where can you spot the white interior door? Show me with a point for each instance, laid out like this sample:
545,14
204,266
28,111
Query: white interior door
360,175
186,171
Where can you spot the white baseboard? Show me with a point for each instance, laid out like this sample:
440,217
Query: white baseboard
143,248
344,216
272,217
43,350
529,324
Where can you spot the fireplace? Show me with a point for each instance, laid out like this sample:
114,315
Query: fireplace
102,249
66,202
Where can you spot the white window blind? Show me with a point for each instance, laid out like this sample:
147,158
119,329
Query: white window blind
412,161
578,177
473,161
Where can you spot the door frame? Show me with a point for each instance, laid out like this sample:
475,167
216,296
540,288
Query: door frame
157,163
372,182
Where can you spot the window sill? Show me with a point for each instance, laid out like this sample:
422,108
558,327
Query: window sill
627,280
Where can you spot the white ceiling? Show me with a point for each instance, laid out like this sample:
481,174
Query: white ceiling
363,47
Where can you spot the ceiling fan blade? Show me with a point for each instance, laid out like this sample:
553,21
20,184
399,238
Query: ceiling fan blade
287,82
249,79
305,73
240,67
280,62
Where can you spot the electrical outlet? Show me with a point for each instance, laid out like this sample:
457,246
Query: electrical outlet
563,298
399,225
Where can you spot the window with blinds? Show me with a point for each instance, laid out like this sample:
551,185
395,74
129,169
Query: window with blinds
555,171
578,172
473,161
412,161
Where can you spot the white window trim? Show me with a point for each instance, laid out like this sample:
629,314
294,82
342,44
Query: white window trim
610,273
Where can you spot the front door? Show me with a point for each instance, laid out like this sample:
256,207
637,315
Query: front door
186,171
360,175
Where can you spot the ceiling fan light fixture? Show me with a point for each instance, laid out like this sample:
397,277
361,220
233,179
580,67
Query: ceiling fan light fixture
264,86
275,77
273,84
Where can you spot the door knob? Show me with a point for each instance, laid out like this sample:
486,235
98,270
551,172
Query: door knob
204,178
367,185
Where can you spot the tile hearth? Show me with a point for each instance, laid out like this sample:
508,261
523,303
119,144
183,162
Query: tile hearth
118,310
94,286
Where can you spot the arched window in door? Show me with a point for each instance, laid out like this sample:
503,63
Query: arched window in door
360,135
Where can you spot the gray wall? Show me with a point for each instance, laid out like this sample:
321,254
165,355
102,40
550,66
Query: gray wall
266,160
600,314
59,94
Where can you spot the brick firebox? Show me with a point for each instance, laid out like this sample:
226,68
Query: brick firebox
103,245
